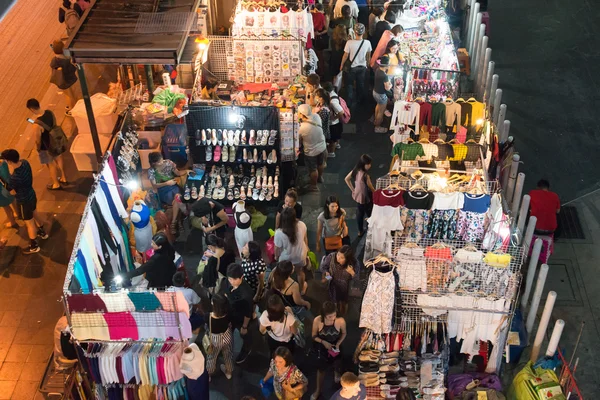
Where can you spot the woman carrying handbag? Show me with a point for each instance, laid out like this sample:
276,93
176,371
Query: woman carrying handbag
332,227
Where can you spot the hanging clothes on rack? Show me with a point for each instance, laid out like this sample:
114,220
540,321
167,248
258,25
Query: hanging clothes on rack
405,113
378,301
411,268
384,219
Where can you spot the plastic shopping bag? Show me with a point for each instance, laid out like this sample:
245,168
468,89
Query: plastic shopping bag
337,81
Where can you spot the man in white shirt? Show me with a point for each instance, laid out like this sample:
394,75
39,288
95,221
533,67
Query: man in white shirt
337,11
313,141
358,52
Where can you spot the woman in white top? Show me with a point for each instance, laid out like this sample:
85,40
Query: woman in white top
291,243
337,11
279,323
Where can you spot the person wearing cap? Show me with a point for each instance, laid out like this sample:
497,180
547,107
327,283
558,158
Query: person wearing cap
337,11
358,53
381,92
313,141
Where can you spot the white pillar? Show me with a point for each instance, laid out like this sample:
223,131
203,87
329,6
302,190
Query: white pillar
475,63
537,296
488,83
543,326
512,178
528,237
504,131
500,122
483,68
492,92
559,325
497,101
516,199
533,261
523,214
471,28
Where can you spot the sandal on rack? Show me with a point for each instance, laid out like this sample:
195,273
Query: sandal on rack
186,194
272,138
243,138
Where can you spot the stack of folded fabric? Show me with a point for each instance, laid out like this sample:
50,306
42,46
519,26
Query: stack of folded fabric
368,367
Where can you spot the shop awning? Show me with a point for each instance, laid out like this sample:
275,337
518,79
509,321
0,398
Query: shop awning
133,32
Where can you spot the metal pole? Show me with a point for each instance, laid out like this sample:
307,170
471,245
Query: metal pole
473,10
484,70
528,237
505,130
149,78
542,327
488,83
492,93
512,178
481,65
476,43
559,325
537,296
523,213
473,29
533,261
516,200
90,113
496,111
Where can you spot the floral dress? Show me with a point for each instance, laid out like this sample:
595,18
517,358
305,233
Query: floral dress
292,375
415,223
443,224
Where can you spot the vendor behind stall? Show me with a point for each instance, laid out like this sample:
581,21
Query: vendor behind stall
209,91
163,176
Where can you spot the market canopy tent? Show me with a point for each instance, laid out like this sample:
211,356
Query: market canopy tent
133,32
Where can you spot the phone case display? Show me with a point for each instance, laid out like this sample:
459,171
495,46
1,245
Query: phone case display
289,138
433,49
273,61
273,24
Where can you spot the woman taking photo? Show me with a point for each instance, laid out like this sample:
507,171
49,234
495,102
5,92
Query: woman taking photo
331,226
254,268
280,324
216,266
359,182
328,333
338,269
160,268
291,243
220,336
289,290
288,381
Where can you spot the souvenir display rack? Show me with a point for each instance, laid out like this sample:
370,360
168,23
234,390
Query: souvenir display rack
244,60
233,176
271,19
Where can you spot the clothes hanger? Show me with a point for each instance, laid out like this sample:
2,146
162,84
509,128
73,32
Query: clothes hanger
471,99
439,141
439,245
424,140
453,141
472,141
417,186
470,247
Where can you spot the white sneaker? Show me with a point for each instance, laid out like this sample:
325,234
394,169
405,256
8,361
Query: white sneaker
380,129
331,155
228,376
338,146
387,113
